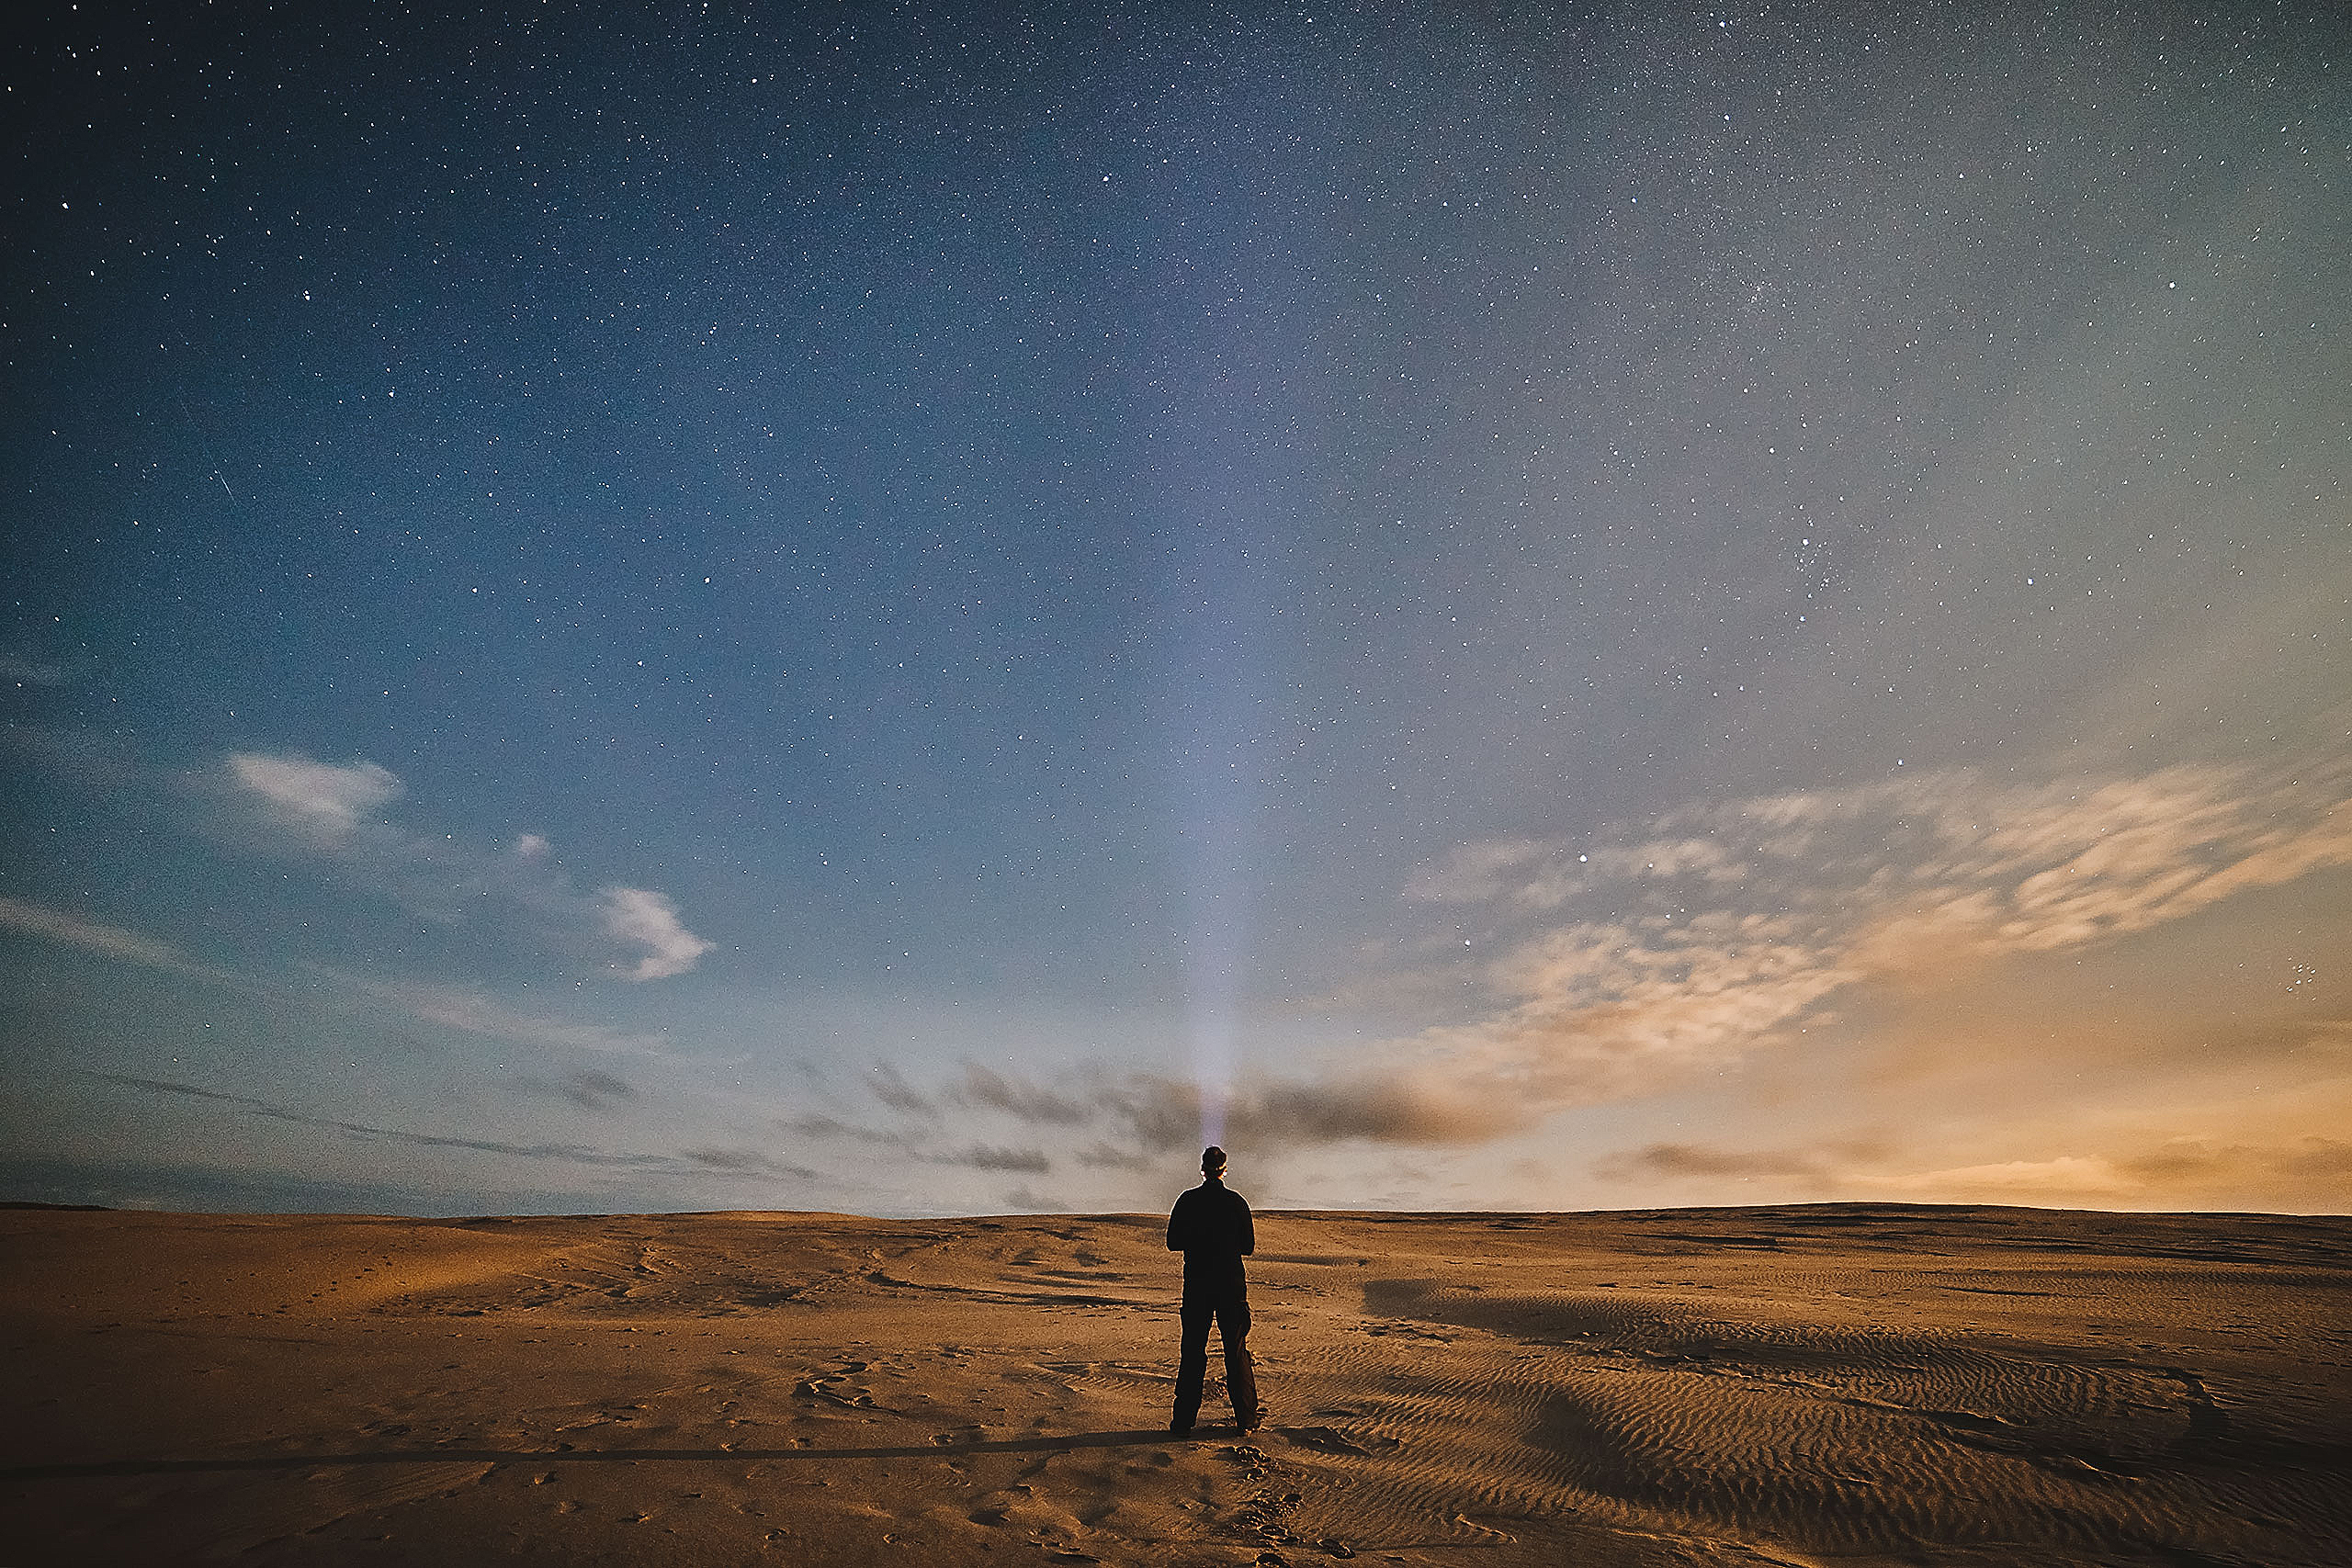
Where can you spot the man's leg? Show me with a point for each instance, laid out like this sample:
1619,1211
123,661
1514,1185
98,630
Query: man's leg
1192,1363
1240,1372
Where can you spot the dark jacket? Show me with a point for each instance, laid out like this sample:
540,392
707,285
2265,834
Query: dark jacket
1211,1227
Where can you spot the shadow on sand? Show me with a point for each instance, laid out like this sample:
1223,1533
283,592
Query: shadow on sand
1138,1439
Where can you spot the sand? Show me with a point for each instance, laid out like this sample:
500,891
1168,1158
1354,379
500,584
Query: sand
1835,1383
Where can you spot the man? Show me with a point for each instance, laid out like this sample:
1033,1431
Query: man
1210,1226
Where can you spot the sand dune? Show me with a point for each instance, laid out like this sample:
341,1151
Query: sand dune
1840,1383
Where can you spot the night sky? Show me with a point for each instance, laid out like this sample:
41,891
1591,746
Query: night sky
920,610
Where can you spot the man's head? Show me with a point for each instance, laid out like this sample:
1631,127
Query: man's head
1212,1161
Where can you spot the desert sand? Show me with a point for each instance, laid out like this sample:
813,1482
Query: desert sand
1846,1383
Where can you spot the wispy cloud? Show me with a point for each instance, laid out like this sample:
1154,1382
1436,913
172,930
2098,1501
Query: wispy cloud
2176,1170
452,1007
57,925
587,1089
696,1162
918,1137
467,1009
2016,868
896,1092
2145,1172
1694,940
337,811
1028,1102
987,1157
736,1161
1101,1156
317,799
2063,1178
831,1127
1814,1169
639,917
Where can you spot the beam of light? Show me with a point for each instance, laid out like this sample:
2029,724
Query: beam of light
1219,666
1220,582
1226,581
1236,373
1217,923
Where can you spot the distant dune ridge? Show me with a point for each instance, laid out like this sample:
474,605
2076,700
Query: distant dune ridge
1856,1383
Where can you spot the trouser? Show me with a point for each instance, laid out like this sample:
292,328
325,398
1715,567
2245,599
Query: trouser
1230,1313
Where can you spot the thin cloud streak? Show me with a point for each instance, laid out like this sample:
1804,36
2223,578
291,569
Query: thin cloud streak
691,1163
451,1007
2167,1172
466,1010
986,1156
586,1089
112,942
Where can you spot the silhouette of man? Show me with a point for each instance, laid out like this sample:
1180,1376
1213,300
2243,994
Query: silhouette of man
1211,1226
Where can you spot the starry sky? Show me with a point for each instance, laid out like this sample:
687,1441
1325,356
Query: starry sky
921,609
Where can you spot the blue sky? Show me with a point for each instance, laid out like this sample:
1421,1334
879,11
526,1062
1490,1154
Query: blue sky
918,611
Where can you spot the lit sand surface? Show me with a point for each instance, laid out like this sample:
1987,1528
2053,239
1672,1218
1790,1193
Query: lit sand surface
1845,1383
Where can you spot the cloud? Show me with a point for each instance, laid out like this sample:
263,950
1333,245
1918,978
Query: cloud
1475,873
690,1163
451,1007
2139,1171
461,1007
1536,873
2066,1178
2183,1163
647,919
1693,1161
335,811
917,1145
1101,1156
2316,1156
315,798
1677,947
1128,1115
898,1094
831,1127
588,1090
2036,867
745,1162
982,1086
985,1156
113,941
1409,1104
